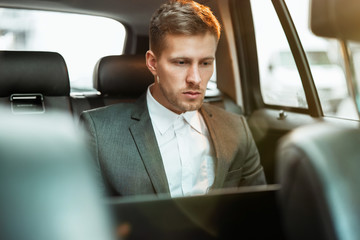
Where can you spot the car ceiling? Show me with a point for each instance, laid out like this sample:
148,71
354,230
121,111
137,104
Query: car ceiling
128,12
132,13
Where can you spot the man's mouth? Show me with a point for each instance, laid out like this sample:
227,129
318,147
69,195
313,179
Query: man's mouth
192,94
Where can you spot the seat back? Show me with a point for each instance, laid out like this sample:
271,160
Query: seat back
318,169
47,185
34,82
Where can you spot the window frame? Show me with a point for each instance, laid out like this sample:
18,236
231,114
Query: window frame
248,60
312,98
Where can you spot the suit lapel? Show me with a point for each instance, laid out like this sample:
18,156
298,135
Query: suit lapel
217,136
145,140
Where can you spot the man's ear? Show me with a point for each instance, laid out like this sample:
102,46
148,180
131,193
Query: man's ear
151,62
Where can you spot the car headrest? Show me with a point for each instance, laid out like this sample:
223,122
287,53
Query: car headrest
33,72
123,75
335,19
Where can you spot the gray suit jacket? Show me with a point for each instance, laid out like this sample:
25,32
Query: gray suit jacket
127,157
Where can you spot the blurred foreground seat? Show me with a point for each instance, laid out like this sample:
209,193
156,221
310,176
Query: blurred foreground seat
318,169
46,183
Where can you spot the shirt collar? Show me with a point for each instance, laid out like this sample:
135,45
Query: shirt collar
193,119
163,118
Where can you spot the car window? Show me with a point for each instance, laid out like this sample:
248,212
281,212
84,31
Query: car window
326,64
347,107
81,39
279,78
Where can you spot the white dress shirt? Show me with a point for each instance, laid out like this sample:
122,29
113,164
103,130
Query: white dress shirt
185,147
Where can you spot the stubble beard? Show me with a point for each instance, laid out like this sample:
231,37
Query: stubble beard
181,106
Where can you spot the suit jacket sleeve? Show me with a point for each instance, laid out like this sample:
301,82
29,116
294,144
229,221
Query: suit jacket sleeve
91,137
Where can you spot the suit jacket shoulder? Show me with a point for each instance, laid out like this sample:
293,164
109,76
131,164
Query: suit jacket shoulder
124,146
230,123
109,113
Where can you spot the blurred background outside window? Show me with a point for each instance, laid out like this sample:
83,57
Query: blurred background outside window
279,76
280,81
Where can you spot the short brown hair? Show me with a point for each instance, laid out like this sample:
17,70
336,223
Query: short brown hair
181,17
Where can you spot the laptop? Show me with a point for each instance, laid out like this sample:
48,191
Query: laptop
242,213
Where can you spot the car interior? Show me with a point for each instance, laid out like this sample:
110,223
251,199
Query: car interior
306,132
122,78
49,89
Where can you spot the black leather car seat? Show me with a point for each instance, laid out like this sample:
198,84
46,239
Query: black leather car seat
121,78
34,82
118,78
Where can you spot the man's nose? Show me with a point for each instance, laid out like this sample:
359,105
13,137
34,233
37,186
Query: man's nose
194,75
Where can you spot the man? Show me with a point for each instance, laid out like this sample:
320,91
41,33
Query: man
169,141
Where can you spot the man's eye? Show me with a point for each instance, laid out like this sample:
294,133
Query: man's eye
206,63
181,62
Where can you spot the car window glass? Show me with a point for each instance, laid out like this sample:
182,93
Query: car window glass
279,78
326,64
82,40
212,89
354,48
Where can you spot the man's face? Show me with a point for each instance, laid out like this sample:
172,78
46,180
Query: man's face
182,71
